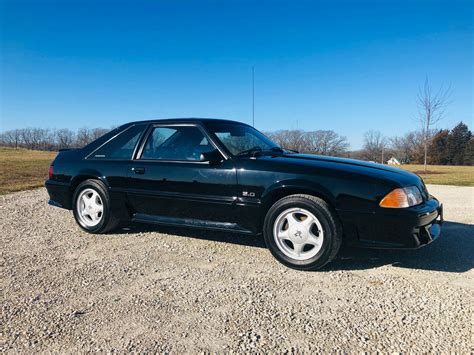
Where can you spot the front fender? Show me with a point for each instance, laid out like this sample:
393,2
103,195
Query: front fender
295,186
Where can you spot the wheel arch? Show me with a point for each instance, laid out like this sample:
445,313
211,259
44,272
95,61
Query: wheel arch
83,176
294,187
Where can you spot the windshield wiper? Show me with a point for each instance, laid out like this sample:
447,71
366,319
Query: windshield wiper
250,151
277,149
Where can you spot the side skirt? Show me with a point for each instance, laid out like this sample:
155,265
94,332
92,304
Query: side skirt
189,222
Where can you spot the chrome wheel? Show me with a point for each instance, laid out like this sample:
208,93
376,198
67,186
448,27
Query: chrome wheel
90,208
298,234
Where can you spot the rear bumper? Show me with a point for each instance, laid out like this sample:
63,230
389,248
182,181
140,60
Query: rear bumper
408,228
59,194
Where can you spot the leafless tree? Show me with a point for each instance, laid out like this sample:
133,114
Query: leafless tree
64,138
374,146
26,137
11,138
289,139
325,143
431,109
404,148
83,137
317,142
98,132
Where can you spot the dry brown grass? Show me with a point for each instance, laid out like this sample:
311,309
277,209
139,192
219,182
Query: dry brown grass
22,169
444,174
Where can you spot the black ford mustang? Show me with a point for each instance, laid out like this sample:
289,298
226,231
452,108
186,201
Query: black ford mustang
226,175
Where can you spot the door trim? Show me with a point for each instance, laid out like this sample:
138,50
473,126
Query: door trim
190,222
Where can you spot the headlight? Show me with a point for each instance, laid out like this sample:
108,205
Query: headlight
402,198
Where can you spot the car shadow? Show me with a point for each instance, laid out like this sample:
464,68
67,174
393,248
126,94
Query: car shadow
196,233
453,251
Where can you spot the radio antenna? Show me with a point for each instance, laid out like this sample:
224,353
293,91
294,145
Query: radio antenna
253,97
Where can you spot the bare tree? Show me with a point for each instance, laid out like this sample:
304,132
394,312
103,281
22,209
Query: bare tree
406,148
64,138
431,109
318,142
325,143
98,132
26,137
374,146
83,137
289,139
11,138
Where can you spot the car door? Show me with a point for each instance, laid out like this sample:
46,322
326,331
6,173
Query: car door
168,178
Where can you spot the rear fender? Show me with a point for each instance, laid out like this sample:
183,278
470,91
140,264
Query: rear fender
85,174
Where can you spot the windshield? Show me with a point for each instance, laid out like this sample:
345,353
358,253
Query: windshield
241,139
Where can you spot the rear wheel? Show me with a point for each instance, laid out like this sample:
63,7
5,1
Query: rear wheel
91,207
302,232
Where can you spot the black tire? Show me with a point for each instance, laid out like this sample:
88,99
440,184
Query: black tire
330,224
108,221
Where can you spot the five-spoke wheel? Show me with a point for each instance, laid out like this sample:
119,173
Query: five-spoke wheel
90,207
302,231
298,233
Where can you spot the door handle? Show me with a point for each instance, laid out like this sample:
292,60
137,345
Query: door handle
138,170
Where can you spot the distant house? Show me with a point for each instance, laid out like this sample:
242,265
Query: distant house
393,161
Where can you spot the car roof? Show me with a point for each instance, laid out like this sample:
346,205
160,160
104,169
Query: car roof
186,120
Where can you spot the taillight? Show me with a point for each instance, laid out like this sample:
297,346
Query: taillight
50,172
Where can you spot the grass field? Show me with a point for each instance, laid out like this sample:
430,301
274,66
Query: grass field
444,174
22,169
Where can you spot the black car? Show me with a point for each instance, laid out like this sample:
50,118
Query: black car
225,175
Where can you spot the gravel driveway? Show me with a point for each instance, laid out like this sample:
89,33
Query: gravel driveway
152,288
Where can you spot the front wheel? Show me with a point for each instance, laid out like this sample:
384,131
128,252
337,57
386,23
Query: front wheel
91,207
302,232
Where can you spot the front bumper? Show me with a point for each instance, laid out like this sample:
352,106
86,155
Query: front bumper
425,234
407,228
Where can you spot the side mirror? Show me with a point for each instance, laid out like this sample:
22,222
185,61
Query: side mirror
213,157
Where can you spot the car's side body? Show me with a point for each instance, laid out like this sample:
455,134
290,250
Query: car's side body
236,193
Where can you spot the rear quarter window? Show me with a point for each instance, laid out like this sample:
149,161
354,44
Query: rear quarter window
121,146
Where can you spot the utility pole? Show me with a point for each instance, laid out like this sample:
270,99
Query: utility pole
253,97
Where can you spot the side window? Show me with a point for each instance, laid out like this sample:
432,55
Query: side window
176,143
122,146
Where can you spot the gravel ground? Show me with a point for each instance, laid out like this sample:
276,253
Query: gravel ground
174,290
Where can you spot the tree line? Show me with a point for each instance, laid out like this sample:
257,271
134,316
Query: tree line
436,147
444,146
50,139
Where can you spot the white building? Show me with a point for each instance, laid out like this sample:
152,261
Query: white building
393,161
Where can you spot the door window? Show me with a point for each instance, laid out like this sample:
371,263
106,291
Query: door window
184,143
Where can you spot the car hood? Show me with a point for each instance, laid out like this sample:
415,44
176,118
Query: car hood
351,166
